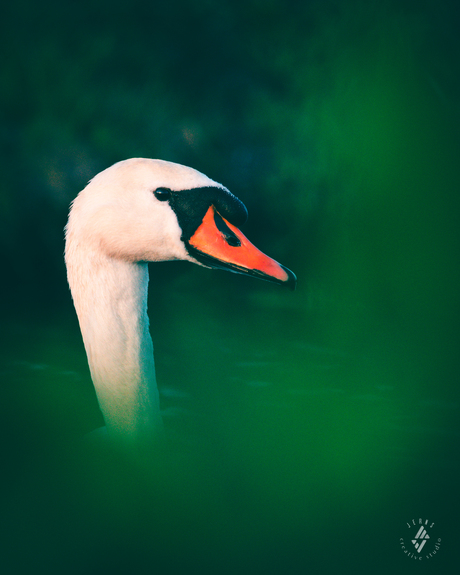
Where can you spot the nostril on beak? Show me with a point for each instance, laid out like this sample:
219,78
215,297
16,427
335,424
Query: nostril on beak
229,236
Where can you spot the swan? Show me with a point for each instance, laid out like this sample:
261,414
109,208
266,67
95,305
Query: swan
134,212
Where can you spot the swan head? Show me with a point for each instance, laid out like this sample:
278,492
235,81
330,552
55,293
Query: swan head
144,210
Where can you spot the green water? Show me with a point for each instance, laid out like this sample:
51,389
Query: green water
290,449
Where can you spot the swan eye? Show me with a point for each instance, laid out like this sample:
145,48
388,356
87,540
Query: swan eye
162,194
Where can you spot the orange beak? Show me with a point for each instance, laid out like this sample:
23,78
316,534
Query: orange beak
217,243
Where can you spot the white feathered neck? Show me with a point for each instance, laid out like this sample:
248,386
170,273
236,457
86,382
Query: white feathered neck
115,226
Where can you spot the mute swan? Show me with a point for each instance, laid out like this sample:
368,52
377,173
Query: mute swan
134,212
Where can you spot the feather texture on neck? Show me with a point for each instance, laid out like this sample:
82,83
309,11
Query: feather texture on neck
110,297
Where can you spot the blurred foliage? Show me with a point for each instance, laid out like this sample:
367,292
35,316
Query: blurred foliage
337,123
316,113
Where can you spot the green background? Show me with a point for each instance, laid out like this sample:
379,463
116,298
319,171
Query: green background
306,429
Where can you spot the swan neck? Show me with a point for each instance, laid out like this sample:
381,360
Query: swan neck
110,297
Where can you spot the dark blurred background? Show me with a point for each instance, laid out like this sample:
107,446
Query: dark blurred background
307,428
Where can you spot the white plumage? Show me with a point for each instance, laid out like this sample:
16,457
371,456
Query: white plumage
116,225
